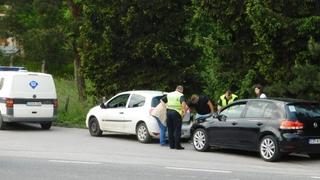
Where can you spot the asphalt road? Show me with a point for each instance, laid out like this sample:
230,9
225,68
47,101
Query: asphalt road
27,152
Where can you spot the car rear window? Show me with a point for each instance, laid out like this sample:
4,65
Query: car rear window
155,101
304,110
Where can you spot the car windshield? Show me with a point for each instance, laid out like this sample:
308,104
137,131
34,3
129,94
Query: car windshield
155,101
305,110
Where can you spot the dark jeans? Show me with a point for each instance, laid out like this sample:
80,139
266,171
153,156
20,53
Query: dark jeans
174,123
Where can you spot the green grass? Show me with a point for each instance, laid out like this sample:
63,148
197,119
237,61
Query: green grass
72,114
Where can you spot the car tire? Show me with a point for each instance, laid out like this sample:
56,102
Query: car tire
142,132
46,125
94,127
314,155
200,140
3,124
269,149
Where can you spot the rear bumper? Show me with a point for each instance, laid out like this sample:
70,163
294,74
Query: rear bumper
31,119
299,144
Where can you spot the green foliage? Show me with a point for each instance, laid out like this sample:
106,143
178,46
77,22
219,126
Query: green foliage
207,46
253,41
76,112
137,45
37,26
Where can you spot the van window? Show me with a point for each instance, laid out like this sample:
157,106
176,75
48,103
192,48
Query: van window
1,83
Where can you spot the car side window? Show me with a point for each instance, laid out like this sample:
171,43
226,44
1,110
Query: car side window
256,109
272,111
119,101
233,111
136,101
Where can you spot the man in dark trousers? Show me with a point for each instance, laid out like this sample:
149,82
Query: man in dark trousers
176,108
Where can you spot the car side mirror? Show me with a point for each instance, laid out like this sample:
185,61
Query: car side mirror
103,106
222,117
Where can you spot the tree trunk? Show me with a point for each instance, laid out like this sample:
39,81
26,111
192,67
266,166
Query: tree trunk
11,60
78,75
43,66
79,79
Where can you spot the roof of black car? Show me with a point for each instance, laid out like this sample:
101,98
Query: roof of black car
286,100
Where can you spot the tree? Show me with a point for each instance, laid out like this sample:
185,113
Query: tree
137,44
36,25
254,41
75,19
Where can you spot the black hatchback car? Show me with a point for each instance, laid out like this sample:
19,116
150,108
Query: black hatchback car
273,127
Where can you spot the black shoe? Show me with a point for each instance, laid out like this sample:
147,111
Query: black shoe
179,148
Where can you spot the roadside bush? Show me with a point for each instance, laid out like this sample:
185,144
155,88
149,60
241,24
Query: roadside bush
71,113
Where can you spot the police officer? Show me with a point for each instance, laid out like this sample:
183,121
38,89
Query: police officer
226,99
176,107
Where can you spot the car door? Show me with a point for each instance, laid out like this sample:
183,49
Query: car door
113,116
222,132
255,118
134,112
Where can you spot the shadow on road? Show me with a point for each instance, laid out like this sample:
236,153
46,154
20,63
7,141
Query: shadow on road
120,136
285,158
23,127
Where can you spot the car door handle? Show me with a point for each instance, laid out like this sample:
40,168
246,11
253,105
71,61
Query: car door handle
121,113
234,123
259,123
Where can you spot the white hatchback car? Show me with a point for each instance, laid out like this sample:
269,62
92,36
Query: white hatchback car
129,113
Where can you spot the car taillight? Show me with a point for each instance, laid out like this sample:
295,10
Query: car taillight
9,103
55,103
291,124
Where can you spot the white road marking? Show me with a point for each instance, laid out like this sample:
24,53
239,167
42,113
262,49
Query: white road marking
74,162
315,177
200,170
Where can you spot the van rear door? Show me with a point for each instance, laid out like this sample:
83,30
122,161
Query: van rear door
34,95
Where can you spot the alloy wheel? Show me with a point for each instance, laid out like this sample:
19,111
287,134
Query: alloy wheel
200,140
143,133
269,149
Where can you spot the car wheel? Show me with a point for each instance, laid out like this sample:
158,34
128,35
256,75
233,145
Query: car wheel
200,140
94,127
143,133
2,124
46,125
314,155
269,149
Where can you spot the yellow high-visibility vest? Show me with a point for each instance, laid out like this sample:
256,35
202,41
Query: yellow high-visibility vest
224,101
174,101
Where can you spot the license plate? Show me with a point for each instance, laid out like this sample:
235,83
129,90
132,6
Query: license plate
314,141
33,103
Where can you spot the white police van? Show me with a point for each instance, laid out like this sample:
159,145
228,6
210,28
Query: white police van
27,97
